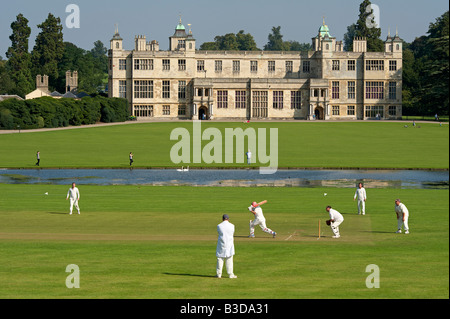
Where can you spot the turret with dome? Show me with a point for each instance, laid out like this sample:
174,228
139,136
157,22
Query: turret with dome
181,41
324,40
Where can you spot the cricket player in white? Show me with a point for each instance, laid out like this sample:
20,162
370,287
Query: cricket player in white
260,220
402,216
225,247
361,196
336,219
74,195
249,157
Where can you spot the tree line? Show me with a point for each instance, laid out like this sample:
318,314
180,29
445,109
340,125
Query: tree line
242,41
51,56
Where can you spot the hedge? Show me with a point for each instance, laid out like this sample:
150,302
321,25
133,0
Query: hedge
49,112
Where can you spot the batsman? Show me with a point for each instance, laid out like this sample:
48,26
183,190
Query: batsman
255,209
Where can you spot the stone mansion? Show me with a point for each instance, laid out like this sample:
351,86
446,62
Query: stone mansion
326,83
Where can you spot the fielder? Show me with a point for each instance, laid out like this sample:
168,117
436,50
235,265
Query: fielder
335,220
256,210
402,217
360,194
74,195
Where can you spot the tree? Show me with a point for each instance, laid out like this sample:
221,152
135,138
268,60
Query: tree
349,36
98,53
435,97
426,71
232,42
49,49
245,41
19,59
227,42
411,81
297,46
90,65
276,42
6,84
209,46
364,29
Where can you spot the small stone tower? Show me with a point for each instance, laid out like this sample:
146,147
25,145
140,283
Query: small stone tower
42,82
71,81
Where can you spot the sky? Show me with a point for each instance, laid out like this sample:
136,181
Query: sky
157,19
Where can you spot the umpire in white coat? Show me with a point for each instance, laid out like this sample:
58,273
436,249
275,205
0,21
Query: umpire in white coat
225,247
361,196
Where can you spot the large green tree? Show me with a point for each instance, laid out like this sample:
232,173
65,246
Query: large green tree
426,71
227,42
6,84
49,49
365,27
99,54
349,36
245,41
19,59
276,42
435,93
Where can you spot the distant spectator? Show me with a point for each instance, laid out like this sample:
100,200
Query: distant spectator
38,157
131,158
249,157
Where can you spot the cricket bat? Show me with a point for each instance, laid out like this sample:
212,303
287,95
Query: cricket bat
262,203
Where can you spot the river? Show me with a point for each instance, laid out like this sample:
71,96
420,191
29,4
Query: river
230,177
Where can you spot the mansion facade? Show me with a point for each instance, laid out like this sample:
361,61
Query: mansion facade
326,83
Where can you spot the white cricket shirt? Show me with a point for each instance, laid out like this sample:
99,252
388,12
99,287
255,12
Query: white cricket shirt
401,209
360,193
73,193
335,215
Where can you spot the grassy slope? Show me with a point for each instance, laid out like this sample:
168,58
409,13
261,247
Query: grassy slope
373,145
159,242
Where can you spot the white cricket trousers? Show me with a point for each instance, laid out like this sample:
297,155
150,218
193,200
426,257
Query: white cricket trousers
335,227
72,203
361,207
401,223
262,224
228,263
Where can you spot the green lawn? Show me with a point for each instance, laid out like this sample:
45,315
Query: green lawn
159,242
300,145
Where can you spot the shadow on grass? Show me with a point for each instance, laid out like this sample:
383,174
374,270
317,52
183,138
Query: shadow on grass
378,232
192,275
58,213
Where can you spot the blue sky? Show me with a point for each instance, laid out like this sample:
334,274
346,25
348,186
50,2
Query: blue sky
299,19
